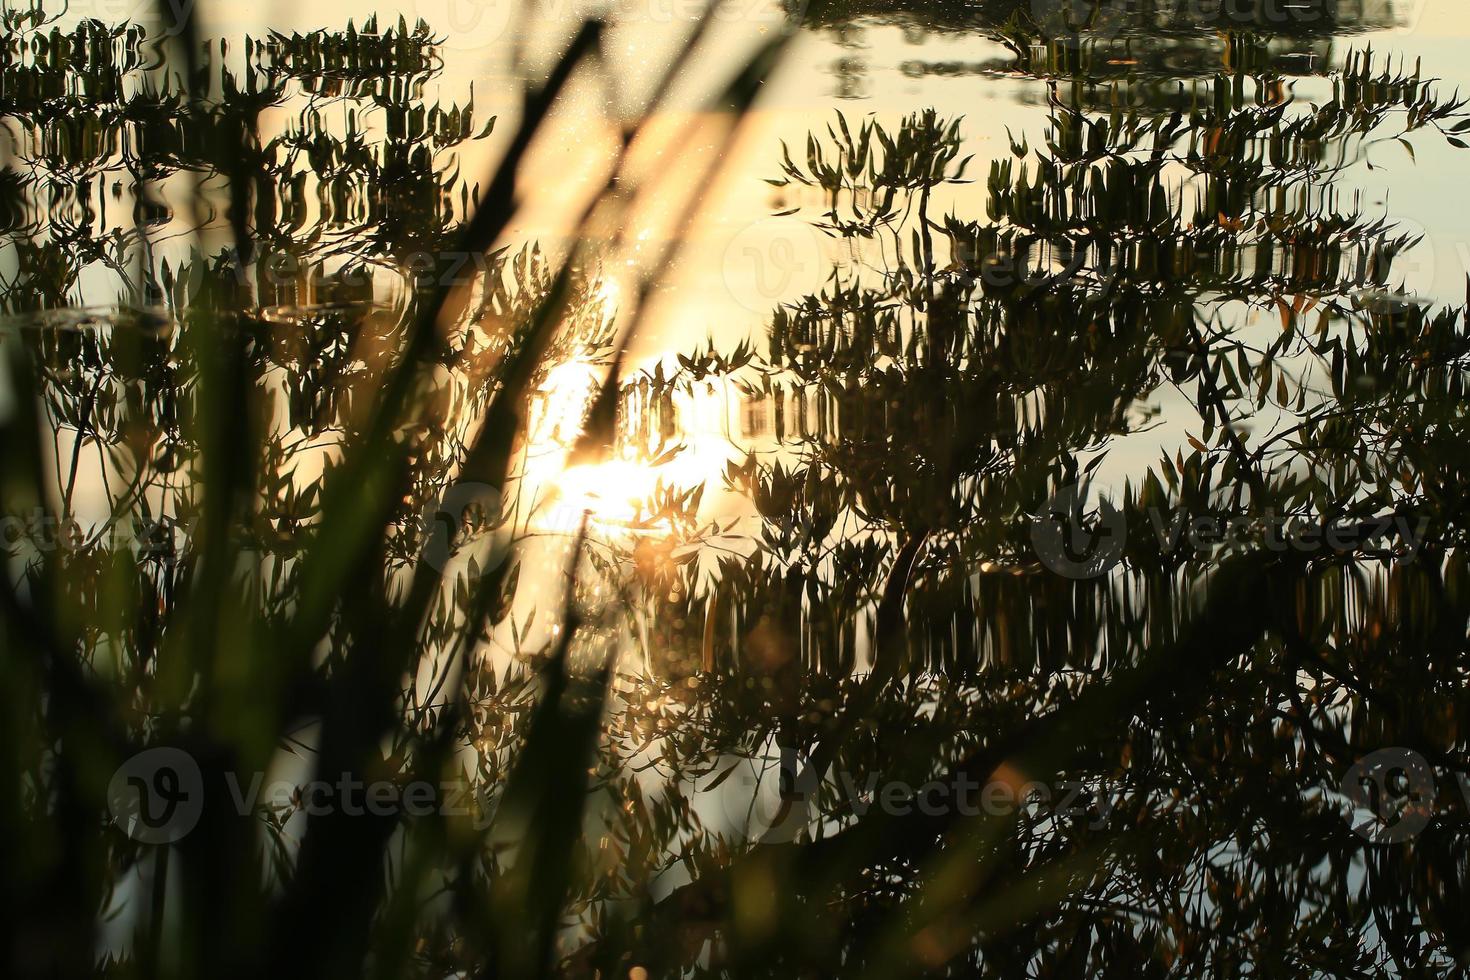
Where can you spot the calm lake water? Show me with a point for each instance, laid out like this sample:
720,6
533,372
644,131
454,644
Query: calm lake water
1002,362
735,262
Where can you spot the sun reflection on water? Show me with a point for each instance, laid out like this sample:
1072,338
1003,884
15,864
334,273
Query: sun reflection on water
617,491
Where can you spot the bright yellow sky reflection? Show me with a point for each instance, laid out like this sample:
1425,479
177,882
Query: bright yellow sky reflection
610,491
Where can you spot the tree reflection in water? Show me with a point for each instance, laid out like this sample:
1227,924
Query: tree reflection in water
328,509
